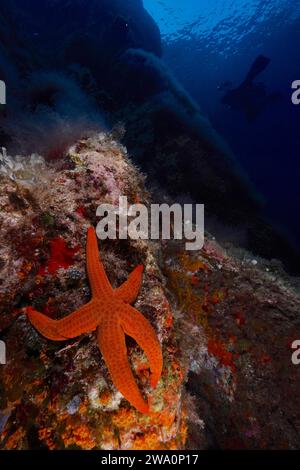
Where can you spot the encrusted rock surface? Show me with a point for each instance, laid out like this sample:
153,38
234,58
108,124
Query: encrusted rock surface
238,317
60,395
226,322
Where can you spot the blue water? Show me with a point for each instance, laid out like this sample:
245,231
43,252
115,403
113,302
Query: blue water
208,42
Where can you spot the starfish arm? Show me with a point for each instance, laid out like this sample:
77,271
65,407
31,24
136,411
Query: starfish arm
139,328
129,290
81,321
111,340
99,282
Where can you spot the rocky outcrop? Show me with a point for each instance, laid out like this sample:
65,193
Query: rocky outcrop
60,395
226,322
238,318
104,59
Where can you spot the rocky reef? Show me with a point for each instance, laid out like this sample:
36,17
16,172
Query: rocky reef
60,395
225,319
238,317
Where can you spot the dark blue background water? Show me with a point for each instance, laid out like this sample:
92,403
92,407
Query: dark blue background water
209,41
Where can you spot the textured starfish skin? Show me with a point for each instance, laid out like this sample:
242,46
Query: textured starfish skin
110,314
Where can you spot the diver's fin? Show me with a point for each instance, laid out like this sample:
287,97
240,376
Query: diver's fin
258,66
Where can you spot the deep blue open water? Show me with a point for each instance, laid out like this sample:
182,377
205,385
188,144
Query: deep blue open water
208,42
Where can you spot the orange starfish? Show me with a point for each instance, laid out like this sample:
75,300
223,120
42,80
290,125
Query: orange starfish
110,313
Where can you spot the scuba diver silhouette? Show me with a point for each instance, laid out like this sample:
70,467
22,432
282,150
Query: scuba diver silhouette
250,98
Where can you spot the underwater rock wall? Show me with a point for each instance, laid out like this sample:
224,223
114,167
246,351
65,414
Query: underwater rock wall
85,68
225,320
56,62
59,395
101,66
237,318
